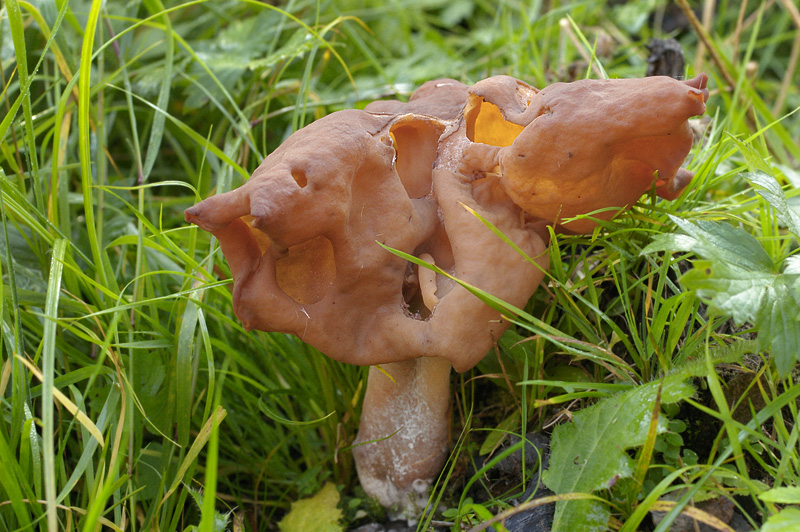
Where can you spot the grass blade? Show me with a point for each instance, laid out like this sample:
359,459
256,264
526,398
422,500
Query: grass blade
73,409
84,110
200,441
48,365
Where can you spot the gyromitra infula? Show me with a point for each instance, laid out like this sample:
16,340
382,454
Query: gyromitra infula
301,236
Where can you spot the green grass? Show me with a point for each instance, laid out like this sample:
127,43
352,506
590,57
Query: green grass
130,395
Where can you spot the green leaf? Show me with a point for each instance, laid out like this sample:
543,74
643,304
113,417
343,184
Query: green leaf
724,242
152,389
768,188
762,178
48,372
183,369
729,290
779,322
315,514
755,162
792,265
297,45
770,301
633,15
220,521
157,130
782,495
738,279
456,12
590,453
496,435
197,446
786,521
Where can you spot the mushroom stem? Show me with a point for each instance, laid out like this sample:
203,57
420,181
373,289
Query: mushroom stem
404,432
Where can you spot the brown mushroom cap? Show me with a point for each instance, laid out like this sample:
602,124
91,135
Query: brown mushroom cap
301,234
300,237
440,98
593,144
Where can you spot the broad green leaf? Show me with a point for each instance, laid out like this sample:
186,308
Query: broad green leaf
729,290
738,279
768,300
724,242
779,322
769,189
792,264
297,45
152,389
786,521
315,514
670,242
220,521
632,16
763,181
590,453
755,162
782,495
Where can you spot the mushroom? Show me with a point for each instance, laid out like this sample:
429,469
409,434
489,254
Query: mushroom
301,236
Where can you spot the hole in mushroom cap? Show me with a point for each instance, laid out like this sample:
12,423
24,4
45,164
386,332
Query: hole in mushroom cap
486,124
259,236
415,143
697,95
307,271
300,178
412,295
422,288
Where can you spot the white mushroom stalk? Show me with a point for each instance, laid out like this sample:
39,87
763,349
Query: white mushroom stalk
403,440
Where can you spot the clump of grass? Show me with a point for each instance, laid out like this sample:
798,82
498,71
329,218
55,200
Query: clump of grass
131,396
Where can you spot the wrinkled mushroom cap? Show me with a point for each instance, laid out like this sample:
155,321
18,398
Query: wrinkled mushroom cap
443,99
594,144
301,236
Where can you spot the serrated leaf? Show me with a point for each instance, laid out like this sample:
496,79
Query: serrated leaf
220,522
729,290
670,242
724,242
754,161
792,265
763,181
590,453
738,279
315,514
782,495
769,301
779,322
786,521
768,188
298,44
